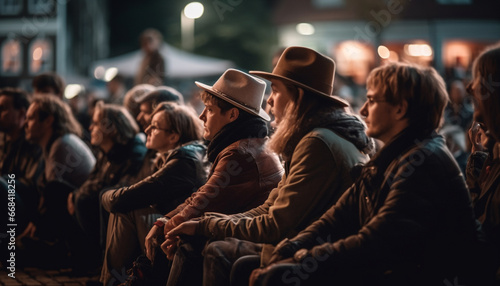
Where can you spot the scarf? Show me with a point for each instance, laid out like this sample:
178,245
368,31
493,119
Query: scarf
253,127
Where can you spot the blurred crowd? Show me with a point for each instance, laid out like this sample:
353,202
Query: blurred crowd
245,184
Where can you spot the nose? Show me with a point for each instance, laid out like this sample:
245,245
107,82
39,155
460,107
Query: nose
364,110
202,115
270,100
148,130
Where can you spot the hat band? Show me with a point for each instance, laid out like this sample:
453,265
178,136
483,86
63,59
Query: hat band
237,101
305,80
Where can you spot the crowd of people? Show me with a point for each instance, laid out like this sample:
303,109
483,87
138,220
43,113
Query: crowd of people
293,190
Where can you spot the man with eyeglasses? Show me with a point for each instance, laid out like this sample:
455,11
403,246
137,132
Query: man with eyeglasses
407,219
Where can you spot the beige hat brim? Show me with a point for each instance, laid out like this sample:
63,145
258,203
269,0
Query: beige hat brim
270,76
262,114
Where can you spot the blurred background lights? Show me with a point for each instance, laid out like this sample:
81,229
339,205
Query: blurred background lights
194,10
418,50
305,29
72,90
99,72
37,54
110,74
383,52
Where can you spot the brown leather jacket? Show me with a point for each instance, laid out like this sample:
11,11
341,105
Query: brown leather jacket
240,179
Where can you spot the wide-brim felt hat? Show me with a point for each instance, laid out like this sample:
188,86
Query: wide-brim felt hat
305,68
241,90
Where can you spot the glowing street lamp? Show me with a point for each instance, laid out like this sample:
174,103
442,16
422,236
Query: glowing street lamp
192,11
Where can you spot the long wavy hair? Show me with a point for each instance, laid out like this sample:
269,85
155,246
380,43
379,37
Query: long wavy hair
299,119
64,120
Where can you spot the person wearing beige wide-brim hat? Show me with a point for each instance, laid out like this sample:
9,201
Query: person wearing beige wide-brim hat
319,143
243,171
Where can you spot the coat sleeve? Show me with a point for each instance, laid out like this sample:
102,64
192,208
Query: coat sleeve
313,175
226,190
175,179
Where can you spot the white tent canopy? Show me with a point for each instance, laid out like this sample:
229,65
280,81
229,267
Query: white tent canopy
179,64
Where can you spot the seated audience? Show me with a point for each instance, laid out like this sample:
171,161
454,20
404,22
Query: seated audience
320,144
407,220
243,171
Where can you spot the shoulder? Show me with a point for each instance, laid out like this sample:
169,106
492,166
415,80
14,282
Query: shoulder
72,147
69,143
431,156
193,150
336,144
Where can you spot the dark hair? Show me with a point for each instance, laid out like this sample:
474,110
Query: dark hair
49,82
117,119
224,105
19,97
64,120
162,94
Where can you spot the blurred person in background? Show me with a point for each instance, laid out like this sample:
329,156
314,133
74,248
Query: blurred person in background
174,133
116,90
115,132
485,89
131,97
18,156
153,67
459,110
48,83
68,163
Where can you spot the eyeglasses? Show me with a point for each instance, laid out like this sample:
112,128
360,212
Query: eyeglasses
154,128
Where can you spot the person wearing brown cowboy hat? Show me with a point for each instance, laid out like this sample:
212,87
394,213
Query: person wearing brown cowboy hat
243,171
319,142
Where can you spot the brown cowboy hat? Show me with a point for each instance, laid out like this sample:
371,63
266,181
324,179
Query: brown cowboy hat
307,69
241,90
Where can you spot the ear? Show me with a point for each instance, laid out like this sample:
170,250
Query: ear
174,138
48,121
233,114
402,108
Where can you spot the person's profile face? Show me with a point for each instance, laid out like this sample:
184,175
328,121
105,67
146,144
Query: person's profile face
213,120
278,99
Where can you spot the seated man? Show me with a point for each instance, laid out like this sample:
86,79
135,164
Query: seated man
18,156
243,171
68,163
407,220
174,133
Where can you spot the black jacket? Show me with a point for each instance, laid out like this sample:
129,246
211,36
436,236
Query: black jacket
408,218
182,172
